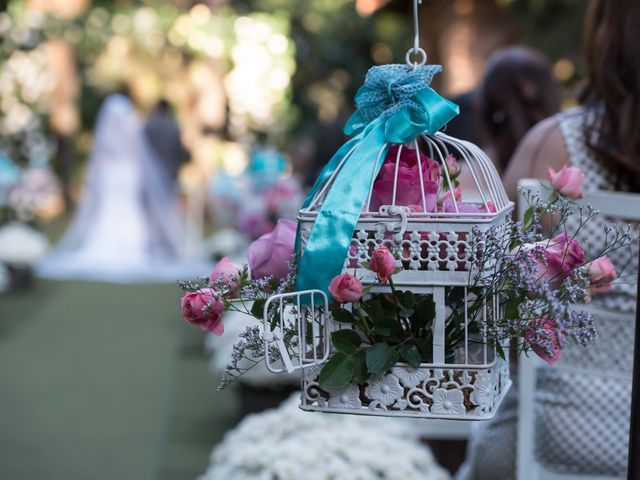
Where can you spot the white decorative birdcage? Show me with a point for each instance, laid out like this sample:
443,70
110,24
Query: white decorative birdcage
400,183
437,254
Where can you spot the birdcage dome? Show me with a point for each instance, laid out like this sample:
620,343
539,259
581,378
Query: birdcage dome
468,187
428,198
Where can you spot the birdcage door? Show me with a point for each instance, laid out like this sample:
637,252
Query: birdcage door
296,331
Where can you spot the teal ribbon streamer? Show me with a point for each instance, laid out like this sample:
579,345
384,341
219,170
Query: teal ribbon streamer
395,105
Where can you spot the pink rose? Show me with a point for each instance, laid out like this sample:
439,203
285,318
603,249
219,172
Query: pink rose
543,339
271,253
408,191
228,272
382,263
345,288
204,309
567,182
602,273
561,255
565,250
452,166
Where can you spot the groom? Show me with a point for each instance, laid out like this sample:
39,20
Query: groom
164,136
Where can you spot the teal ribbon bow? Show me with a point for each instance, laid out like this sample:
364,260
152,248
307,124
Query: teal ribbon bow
394,105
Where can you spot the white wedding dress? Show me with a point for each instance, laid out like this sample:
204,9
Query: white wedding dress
127,227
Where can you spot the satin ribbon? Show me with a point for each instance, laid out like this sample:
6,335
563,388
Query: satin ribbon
392,108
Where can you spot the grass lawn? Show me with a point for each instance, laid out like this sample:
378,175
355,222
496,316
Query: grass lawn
102,381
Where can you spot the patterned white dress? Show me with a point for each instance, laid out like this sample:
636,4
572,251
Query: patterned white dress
582,409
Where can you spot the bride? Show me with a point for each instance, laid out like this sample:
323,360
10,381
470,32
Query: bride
127,227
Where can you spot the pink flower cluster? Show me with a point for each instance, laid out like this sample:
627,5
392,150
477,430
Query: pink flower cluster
268,256
346,288
405,173
204,309
556,259
408,191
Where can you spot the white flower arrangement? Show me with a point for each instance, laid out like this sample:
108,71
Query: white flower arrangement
288,444
21,245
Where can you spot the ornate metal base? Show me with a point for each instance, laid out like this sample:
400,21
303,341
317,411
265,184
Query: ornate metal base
430,391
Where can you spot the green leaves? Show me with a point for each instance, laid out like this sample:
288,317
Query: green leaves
257,309
346,341
361,375
384,329
338,371
381,357
343,316
410,354
526,219
425,312
374,311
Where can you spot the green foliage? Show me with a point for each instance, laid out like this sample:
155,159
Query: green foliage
338,371
257,309
346,341
410,354
343,316
335,47
387,329
381,357
552,26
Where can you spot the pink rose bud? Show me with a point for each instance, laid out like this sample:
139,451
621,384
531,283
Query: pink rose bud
542,336
345,288
204,309
383,264
567,182
602,273
271,253
452,166
227,272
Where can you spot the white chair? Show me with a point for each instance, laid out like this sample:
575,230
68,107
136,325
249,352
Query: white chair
611,204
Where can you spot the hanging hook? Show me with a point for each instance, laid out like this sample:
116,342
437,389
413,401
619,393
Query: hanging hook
416,25
416,50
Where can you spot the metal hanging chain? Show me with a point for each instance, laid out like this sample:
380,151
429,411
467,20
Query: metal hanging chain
416,50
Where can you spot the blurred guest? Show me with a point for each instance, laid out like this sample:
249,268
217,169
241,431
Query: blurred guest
163,134
518,91
468,124
582,412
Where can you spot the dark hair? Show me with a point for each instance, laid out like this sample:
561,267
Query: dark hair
518,91
163,106
613,84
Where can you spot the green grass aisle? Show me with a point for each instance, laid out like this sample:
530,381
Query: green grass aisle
199,415
102,381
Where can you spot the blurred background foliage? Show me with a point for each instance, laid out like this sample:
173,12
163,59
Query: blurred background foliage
282,72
